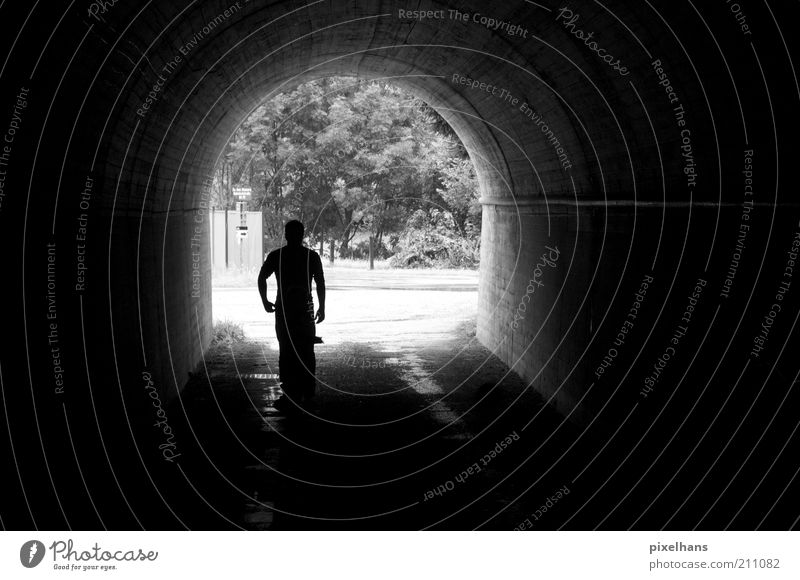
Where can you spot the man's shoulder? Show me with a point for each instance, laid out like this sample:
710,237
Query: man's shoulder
313,257
311,254
272,258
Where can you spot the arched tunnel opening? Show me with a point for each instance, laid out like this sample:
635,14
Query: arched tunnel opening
391,202
635,307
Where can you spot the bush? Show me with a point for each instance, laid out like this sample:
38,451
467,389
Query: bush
431,240
360,250
227,333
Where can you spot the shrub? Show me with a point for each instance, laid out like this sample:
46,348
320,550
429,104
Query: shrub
432,240
227,333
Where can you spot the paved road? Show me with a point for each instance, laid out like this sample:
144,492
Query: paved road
389,310
445,280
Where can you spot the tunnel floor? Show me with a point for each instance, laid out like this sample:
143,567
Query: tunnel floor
433,437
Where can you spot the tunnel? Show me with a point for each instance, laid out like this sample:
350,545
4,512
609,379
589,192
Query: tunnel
639,228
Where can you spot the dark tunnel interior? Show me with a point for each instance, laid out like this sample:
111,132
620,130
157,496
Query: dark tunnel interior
636,289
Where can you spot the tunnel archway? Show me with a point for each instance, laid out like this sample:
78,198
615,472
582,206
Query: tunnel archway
517,166
613,168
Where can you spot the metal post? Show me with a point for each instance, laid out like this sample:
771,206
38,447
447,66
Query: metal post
242,222
226,239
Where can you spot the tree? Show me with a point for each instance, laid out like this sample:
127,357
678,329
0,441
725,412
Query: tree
349,159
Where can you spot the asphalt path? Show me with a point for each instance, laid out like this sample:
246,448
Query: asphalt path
389,309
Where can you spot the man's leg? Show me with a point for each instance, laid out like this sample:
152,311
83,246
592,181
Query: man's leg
309,360
298,362
302,331
287,359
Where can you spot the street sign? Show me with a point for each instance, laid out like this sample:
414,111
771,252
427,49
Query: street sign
243,191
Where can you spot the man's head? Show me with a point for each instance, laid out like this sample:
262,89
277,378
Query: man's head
294,232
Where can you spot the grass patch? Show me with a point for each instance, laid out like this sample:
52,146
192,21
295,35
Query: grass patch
226,333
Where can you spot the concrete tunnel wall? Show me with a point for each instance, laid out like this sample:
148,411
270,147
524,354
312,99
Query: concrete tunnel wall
620,198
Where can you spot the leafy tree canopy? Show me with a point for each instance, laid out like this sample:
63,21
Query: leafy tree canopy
356,160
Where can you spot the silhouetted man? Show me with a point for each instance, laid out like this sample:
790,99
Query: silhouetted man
294,267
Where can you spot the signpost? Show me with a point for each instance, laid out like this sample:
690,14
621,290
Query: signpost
241,229
242,194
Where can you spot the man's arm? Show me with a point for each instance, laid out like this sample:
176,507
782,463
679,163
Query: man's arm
319,280
266,271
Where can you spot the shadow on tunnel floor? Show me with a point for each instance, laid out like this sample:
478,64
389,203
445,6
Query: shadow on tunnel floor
440,438
443,437
397,440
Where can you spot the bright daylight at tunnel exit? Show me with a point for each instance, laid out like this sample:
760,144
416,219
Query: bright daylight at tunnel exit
366,265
